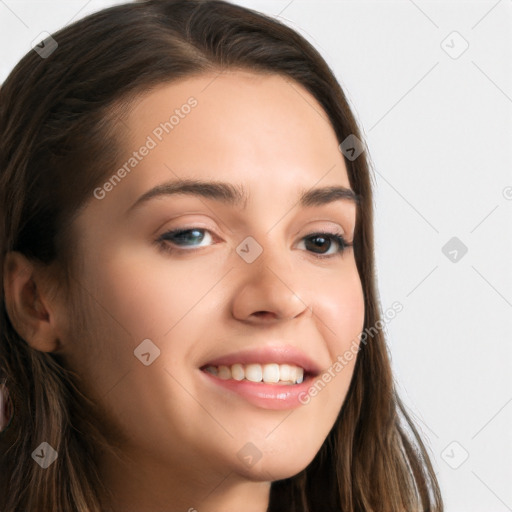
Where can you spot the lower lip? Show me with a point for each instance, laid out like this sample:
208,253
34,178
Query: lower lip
265,396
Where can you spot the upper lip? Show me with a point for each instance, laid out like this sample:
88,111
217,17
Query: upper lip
281,354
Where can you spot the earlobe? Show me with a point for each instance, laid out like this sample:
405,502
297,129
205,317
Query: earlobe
26,305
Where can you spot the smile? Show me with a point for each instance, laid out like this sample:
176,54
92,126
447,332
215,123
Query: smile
268,375
271,373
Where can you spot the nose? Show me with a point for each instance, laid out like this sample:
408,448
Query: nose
270,288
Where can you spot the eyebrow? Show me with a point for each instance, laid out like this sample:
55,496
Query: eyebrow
236,195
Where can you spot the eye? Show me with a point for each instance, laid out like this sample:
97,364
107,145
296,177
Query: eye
321,240
183,237
176,240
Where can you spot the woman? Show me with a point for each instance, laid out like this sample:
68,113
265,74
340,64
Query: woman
147,371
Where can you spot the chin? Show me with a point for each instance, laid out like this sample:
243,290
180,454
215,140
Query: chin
269,469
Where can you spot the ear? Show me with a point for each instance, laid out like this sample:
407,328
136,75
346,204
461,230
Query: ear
27,306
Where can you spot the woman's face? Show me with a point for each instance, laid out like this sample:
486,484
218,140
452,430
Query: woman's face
244,286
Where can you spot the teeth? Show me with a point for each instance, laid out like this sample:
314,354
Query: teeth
270,373
224,372
285,372
237,372
254,372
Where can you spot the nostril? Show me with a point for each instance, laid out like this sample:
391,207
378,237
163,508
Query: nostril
262,314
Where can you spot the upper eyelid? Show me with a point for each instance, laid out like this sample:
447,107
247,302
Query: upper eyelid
338,225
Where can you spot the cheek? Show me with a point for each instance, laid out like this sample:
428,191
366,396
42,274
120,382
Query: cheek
340,310
128,299
148,296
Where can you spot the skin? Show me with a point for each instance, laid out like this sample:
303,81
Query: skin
181,436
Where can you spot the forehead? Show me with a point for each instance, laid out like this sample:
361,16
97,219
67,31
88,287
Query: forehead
265,131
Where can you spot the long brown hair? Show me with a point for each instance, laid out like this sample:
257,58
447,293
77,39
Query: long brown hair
60,126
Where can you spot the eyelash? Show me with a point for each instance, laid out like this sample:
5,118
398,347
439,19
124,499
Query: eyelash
164,243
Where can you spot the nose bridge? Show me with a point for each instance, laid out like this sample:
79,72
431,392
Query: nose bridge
268,253
270,281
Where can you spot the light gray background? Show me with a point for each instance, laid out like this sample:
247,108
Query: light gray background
439,130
